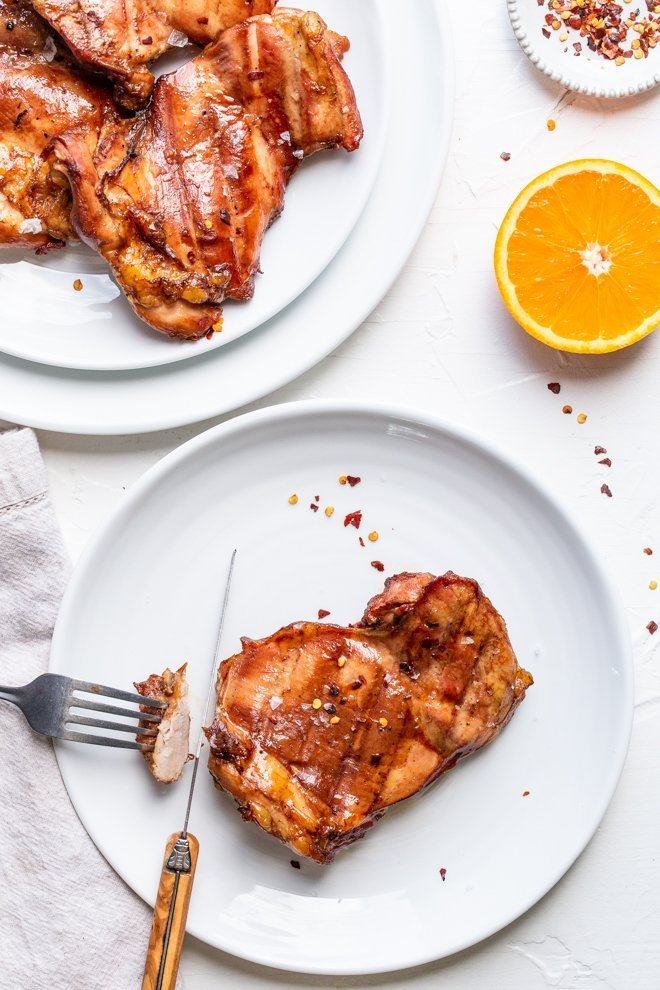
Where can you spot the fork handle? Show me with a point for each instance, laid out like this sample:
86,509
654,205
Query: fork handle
11,694
170,912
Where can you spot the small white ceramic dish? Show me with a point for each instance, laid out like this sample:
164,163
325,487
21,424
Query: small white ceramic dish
46,321
586,73
147,593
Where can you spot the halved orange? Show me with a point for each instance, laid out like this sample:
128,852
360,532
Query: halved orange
577,257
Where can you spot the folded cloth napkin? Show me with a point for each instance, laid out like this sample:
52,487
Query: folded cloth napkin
67,922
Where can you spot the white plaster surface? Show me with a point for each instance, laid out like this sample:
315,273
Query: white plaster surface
442,340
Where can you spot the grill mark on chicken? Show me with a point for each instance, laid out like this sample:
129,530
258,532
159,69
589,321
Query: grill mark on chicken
320,786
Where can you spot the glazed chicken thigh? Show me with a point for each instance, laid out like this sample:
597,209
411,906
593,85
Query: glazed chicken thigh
179,198
41,96
319,729
119,38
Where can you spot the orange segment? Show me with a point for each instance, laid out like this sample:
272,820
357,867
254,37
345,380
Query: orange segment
577,257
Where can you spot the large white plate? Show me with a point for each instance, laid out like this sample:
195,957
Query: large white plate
317,321
147,594
46,320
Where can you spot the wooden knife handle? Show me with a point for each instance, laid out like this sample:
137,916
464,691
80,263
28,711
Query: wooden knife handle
176,881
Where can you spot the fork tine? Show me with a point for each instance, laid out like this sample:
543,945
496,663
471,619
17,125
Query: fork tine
85,737
97,706
99,723
109,692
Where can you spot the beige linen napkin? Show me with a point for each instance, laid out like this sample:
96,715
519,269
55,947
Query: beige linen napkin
67,922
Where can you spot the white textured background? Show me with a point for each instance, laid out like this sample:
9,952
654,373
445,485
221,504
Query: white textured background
442,340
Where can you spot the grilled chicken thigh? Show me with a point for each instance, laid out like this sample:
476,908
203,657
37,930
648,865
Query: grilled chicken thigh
40,97
120,37
178,199
172,742
319,729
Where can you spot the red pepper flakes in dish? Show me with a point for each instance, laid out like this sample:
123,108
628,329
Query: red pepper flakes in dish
652,626
323,613
378,565
605,489
554,387
609,30
443,873
353,519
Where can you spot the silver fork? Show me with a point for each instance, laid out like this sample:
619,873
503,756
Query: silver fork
48,700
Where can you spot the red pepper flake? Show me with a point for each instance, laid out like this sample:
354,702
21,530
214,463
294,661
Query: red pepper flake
317,498
256,74
605,489
148,40
375,759
378,565
210,334
295,864
606,461
443,873
360,541
599,450
525,793
353,519
648,551
567,410
353,480
314,507
652,626
505,156
323,612
202,20
554,387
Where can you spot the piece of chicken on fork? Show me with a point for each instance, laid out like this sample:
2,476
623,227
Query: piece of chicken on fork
179,199
41,95
172,738
119,38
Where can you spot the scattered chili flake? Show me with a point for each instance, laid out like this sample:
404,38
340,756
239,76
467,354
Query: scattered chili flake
551,124
313,506
329,510
255,74
147,41
330,708
77,284
648,551
19,117
323,612
202,20
373,536
554,387
653,585
333,690
582,418
652,626
600,450
317,498
443,873
606,461
375,759
356,685
353,519
295,864
360,541
353,480
505,156
605,489
378,564
293,499
567,410
343,479
525,793
225,218
209,333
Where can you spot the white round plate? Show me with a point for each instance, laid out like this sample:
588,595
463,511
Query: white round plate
147,595
587,72
417,140
47,321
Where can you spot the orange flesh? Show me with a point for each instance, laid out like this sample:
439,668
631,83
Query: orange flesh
545,265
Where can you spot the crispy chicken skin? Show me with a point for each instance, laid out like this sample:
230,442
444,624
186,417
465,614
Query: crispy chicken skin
427,677
172,741
40,97
178,200
120,37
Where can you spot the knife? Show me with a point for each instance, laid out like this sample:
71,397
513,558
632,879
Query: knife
178,873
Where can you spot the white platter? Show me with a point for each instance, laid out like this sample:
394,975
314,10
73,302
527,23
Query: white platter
147,594
45,320
417,140
586,73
